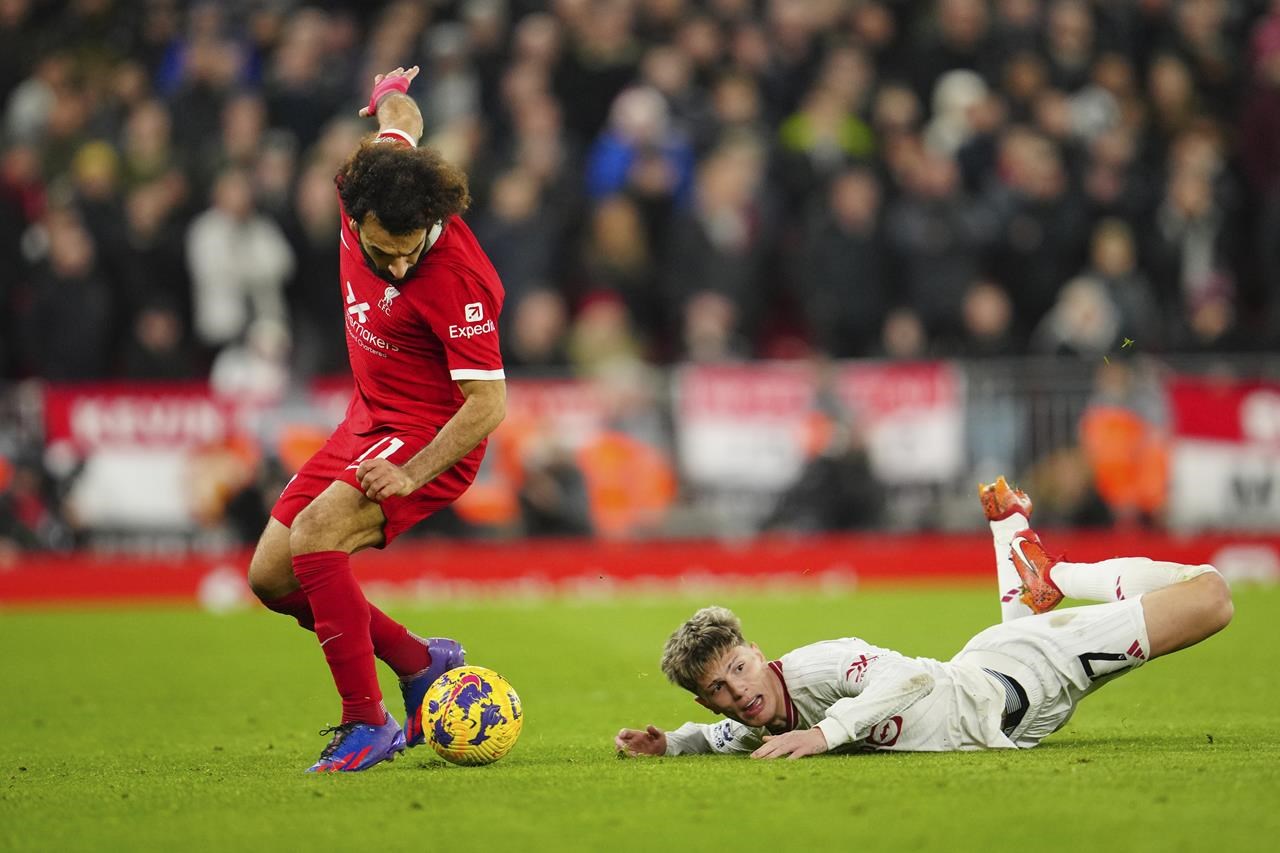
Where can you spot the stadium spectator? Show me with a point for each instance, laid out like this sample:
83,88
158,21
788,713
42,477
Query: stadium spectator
987,323
1189,247
601,334
960,37
826,133
903,337
716,246
1065,494
845,279
314,306
67,326
255,368
1123,433
536,338
1114,265
32,507
521,233
937,235
599,62
1044,224
147,145
1069,44
735,109
617,258
553,496
640,137
239,262
159,348
836,488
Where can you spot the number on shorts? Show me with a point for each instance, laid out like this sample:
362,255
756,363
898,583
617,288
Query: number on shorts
1105,659
393,444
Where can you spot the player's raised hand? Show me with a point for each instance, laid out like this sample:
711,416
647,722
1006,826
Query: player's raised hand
380,479
793,744
392,81
651,741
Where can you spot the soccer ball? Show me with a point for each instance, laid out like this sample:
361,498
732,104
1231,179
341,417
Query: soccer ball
471,715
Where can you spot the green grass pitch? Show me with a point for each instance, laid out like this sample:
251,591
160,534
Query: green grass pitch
159,729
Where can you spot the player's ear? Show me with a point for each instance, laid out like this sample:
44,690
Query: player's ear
352,222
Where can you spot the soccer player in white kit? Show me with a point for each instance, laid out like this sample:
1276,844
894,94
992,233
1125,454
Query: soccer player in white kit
1009,687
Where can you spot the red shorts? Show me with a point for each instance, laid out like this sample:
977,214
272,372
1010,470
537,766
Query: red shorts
342,454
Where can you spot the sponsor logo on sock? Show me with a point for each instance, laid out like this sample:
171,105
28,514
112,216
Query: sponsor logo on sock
1119,591
1135,651
334,637
1011,595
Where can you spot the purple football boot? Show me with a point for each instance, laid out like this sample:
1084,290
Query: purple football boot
446,654
359,746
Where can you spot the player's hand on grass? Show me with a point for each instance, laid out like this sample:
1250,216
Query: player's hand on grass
651,741
793,745
396,81
380,479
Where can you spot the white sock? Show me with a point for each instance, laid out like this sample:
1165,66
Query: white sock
1120,578
1003,531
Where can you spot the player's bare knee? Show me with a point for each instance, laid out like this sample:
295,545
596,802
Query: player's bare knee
269,580
1217,593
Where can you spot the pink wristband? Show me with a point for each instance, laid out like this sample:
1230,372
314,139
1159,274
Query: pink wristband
398,83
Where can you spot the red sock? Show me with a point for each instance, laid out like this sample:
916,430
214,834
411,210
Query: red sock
392,642
295,604
342,627
395,646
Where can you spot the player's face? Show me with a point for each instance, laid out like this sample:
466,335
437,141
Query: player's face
740,685
390,256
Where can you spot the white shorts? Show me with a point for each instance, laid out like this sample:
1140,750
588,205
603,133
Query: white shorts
1060,657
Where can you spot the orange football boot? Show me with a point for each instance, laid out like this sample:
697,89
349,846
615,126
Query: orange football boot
1000,500
1033,564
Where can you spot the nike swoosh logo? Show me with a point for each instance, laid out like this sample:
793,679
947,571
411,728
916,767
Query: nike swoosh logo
1018,544
334,637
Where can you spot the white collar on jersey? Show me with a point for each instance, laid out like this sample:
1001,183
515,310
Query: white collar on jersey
433,235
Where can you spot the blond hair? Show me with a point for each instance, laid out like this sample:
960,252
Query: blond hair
704,637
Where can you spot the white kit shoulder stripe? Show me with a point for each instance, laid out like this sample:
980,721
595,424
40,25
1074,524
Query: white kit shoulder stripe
343,237
478,374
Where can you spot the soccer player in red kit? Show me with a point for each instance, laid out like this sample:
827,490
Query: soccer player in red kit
421,302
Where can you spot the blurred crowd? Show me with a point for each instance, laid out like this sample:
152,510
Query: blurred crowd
663,180
656,181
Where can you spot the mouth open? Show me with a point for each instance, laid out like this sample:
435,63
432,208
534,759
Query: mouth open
754,707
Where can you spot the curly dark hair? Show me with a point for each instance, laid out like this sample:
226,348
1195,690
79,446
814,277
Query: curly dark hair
406,188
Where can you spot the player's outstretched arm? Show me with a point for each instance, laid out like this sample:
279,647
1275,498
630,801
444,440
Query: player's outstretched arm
392,106
649,741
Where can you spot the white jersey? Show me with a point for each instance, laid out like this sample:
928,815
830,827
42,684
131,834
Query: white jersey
864,697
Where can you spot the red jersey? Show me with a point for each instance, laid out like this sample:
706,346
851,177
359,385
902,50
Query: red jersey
411,342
